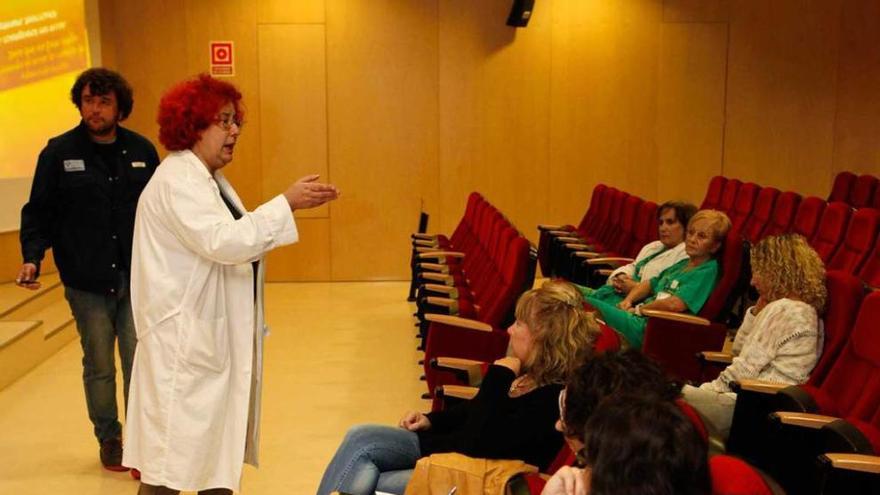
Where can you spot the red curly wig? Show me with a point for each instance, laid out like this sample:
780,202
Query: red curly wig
190,107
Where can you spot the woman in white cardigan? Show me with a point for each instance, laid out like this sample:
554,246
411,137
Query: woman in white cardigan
780,339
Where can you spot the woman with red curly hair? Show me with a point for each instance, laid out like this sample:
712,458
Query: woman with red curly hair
197,290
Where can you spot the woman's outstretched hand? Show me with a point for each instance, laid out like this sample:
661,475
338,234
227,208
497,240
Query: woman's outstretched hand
307,192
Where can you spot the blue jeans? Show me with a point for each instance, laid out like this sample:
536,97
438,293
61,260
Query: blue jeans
371,458
102,320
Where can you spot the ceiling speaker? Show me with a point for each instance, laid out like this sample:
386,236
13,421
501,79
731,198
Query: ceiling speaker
520,13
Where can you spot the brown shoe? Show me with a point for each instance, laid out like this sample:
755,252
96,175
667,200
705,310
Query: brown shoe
111,454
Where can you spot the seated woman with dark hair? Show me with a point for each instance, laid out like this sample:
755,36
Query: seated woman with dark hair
608,374
682,287
780,338
637,446
654,257
512,416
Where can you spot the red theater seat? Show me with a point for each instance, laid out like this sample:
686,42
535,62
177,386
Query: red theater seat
784,210
843,184
829,232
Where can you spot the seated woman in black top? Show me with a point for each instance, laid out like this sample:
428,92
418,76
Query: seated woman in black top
512,416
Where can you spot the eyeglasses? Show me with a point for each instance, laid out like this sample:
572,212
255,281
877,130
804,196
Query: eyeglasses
226,120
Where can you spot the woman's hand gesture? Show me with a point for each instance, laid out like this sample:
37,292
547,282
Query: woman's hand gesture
414,421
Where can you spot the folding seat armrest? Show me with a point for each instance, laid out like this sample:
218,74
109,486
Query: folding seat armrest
716,357
794,398
441,255
806,420
452,292
451,304
457,321
468,370
585,254
436,267
566,234
425,249
547,227
423,236
567,237
577,246
854,462
609,260
425,243
438,277
672,316
457,391
757,386
605,271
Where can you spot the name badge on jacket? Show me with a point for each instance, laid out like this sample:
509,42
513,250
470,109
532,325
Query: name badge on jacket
74,165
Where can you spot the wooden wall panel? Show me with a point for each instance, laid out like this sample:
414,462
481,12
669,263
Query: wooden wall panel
382,114
426,101
149,49
857,126
285,11
234,20
696,10
690,119
293,107
603,101
494,111
293,112
307,260
781,93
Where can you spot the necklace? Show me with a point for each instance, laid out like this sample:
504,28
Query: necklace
521,385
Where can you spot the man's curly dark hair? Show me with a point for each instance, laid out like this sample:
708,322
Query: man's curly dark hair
100,82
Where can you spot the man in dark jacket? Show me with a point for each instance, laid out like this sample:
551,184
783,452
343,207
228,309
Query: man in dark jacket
82,205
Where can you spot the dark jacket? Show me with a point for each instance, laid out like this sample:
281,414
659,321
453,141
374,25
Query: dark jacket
496,426
84,208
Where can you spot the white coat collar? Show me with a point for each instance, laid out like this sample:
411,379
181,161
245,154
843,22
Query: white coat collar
218,180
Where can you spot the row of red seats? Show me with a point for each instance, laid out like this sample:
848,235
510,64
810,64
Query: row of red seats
671,339
617,224
858,191
469,284
845,238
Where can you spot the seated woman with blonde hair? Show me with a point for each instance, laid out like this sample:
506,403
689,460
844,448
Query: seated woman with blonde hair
684,286
781,336
512,416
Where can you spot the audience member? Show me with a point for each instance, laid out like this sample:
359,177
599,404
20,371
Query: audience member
512,416
780,339
637,446
682,287
654,257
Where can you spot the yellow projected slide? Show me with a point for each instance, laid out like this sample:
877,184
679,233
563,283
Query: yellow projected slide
43,46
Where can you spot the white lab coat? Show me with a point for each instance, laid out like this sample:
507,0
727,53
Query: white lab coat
657,264
194,402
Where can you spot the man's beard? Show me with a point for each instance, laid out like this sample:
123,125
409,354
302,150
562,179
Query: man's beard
103,129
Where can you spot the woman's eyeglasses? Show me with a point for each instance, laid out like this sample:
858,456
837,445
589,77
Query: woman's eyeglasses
226,121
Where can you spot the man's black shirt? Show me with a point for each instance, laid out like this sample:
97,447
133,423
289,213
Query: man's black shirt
82,204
